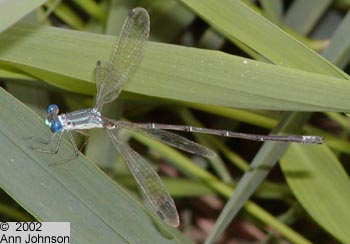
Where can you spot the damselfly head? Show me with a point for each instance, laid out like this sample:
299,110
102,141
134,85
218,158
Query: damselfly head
52,108
52,119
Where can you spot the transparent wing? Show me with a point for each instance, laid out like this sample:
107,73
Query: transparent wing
148,180
172,139
125,58
101,71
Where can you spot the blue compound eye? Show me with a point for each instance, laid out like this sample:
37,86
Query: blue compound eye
55,126
53,108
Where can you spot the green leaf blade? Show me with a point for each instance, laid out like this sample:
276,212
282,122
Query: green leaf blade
321,185
201,76
12,11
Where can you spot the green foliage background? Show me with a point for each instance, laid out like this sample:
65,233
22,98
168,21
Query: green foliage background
282,73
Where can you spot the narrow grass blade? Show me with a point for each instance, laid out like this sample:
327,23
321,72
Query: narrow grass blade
235,20
12,11
201,76
322,186
273,10
302,16
338,50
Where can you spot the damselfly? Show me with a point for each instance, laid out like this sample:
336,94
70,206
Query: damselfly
110,76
